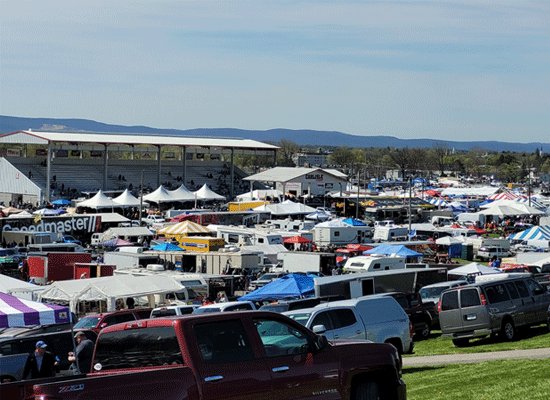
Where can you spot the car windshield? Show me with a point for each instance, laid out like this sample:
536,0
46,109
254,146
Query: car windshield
88,322
202,310
267,277
301,318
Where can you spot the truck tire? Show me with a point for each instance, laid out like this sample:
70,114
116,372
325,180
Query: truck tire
425,332
461,342
367,391
508,331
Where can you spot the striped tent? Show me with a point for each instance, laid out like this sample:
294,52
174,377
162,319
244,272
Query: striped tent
438,202
534,203
504,196
20,312
184,228
535,233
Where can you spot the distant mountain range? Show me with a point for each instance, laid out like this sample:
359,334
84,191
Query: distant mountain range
301,137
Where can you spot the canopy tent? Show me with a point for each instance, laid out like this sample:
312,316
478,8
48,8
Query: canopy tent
207,194
100,200
353,222
334,223
318,215
450,240
287,287
389,249
437,202
473,269
49,211
523,207
184,228
260,195
20,312
287,207
126,199
296,239
7,211
182,194
166,247
19,288
61,202
109,289
21,214
541,232
160,195
502,211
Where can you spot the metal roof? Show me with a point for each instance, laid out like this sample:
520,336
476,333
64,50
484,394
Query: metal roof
36,137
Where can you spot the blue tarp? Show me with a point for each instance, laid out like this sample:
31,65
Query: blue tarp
61,202
389,249
167,247
289,286
354,222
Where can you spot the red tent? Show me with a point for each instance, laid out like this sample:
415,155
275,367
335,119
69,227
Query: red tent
296,239
479,231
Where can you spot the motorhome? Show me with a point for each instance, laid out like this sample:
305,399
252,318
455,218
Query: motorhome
287,225
374,263
241,236
389,233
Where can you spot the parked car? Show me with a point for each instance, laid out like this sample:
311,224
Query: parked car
431,293
173,310
97,322
494,304
486,253
15,351
380,319
289,305
225,307
264,280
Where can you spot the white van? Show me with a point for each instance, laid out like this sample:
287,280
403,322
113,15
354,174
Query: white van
374,263
380,319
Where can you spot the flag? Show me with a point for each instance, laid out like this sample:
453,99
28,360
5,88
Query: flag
412,233
37,218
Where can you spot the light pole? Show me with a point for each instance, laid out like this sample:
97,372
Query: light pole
410,199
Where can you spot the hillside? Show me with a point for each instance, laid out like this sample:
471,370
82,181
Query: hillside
302,137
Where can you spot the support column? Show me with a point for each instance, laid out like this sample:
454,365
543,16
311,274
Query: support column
105,165
232,173
184,164
48,172
158,166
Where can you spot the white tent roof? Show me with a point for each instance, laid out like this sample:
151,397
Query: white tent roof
505,209
259,195
13,181
182,194
126,199
160,195
473,268
98,201
205,193
109,288
184,228
18,287
338,222
287,207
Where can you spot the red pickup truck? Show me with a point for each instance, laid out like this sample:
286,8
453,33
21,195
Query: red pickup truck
242,355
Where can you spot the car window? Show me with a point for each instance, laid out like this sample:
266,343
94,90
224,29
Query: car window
138,348
402,302
522,289
89,322
497,293
239,307
143,314
343,317
280,339
322,319
469,298
10,348
223,342
163,313
534,286
512,289
449,301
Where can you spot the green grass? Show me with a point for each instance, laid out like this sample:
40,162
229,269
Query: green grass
533,338
493,380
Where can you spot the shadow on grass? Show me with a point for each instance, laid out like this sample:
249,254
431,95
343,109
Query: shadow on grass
412,370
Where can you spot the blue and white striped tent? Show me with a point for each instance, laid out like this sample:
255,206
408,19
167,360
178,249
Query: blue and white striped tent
437,202
535,233
534,203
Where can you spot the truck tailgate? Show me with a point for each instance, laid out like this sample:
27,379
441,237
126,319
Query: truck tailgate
166,383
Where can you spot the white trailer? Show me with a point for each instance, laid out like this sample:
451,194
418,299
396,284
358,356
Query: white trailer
389,233
303,261
127,260
374,263
341,235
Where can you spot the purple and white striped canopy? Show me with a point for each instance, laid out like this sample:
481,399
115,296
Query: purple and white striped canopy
20,312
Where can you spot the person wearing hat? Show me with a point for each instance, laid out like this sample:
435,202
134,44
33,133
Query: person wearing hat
83,353
40,363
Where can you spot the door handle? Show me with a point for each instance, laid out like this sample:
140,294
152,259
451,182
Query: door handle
280,369
358,332
213,378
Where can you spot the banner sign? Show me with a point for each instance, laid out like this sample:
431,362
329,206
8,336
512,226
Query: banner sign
86,223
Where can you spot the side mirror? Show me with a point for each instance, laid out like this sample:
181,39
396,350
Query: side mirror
321,343
319,329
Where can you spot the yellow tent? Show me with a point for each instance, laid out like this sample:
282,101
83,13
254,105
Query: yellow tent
184,228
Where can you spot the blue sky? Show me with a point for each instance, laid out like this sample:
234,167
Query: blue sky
450,70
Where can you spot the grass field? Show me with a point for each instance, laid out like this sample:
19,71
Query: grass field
494,380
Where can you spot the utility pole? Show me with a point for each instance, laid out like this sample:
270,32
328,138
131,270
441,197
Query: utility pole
410,199
141,199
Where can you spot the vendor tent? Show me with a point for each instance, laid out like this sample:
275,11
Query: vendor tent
98,201
473,269
296,239
184,228
49,211
353,222
450,240
287,287
161,195
109,289
20,312
206,194
19,288
115,242
182,194
167,247
126,199
318,215
389,249
260,195
535,233
61,202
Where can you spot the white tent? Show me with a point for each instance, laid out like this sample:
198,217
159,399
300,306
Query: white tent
503,210
450,240
160,195
109,289
182,194
338,222
260,195
205,193
473,269
19,288
127,199
98,201
287,207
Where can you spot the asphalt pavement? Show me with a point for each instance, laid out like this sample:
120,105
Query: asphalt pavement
476,357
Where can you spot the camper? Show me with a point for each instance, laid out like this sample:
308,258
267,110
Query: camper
341,235
136,235
374,263
306,262
467,218
287,225
389,233
242,236
128,260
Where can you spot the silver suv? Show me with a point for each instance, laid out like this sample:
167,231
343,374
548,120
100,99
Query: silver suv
493,305
488,252
380,319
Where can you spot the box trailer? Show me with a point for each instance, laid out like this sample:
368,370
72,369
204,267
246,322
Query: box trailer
303,261
48,267
341,235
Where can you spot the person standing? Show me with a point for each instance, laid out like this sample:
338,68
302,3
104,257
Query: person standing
40,363
83,352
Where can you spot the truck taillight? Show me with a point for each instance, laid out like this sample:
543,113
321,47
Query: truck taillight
135,325
411,331
439,306
483,299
